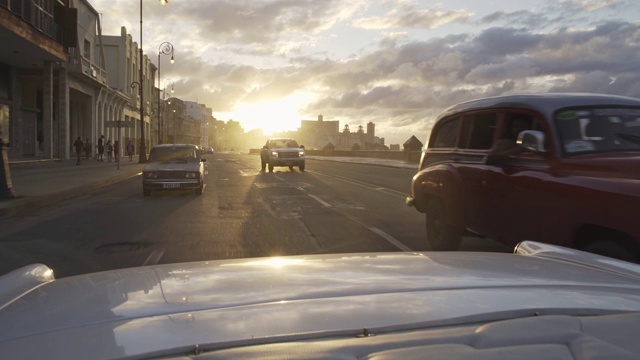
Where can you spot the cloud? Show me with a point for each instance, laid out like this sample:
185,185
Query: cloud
568,13
404,85
254,51
256,22
411,17
438,73
392,39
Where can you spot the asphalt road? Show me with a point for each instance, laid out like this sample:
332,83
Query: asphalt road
332,207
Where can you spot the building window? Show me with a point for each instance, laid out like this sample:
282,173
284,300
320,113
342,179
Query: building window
87,49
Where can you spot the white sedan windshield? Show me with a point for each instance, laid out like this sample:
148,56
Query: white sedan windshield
173,154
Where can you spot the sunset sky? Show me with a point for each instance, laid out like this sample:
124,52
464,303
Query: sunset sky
269,64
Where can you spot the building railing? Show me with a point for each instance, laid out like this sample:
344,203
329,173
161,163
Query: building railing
39,18
80,64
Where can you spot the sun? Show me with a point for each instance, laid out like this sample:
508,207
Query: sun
273,116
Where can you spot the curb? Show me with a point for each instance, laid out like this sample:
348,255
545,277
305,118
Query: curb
22,206
32,162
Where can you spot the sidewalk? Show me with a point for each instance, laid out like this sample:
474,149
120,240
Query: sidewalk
41,183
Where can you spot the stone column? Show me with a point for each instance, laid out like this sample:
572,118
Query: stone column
63,115
47,108
17,137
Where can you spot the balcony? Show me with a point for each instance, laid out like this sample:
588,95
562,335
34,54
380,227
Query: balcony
40,18
30,35
79,64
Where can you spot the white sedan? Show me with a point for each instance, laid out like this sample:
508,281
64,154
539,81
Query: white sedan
542,302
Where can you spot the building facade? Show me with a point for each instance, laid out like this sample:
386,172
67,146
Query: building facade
173,123
123,58
86,82
60,79
199,115
34,100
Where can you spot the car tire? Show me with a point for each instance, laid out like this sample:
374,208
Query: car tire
263,165
200,189
301,167
270,167
146,192
611,249
440,235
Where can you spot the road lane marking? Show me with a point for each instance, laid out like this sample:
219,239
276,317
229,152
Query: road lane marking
363,184
390,239
393,241
324,203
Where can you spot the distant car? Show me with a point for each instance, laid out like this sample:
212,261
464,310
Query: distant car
173,167
543,302
556,168
208,150
282,152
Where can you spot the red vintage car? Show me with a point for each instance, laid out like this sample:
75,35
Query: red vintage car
555,168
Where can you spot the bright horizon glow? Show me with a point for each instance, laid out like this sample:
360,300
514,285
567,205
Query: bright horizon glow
269,116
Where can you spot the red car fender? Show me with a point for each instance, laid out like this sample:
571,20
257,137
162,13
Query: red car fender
442,182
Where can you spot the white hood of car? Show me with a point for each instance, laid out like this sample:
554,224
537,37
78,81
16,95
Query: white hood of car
147,310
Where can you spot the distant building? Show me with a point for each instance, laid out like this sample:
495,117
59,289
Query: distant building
413,144
173,123
198,116
316,134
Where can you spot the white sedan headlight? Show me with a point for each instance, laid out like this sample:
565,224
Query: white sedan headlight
151,175
191,175
301,153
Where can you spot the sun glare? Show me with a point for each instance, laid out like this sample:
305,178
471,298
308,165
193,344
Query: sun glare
270,117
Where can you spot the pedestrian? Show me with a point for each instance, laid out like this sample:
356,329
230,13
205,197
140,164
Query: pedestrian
79,148
130,149
116,151
109,150
87,148
100,148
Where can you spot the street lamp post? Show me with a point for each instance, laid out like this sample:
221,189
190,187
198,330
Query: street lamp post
139,85
143,147
165,48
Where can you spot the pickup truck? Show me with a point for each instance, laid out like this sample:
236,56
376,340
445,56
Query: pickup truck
282,152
